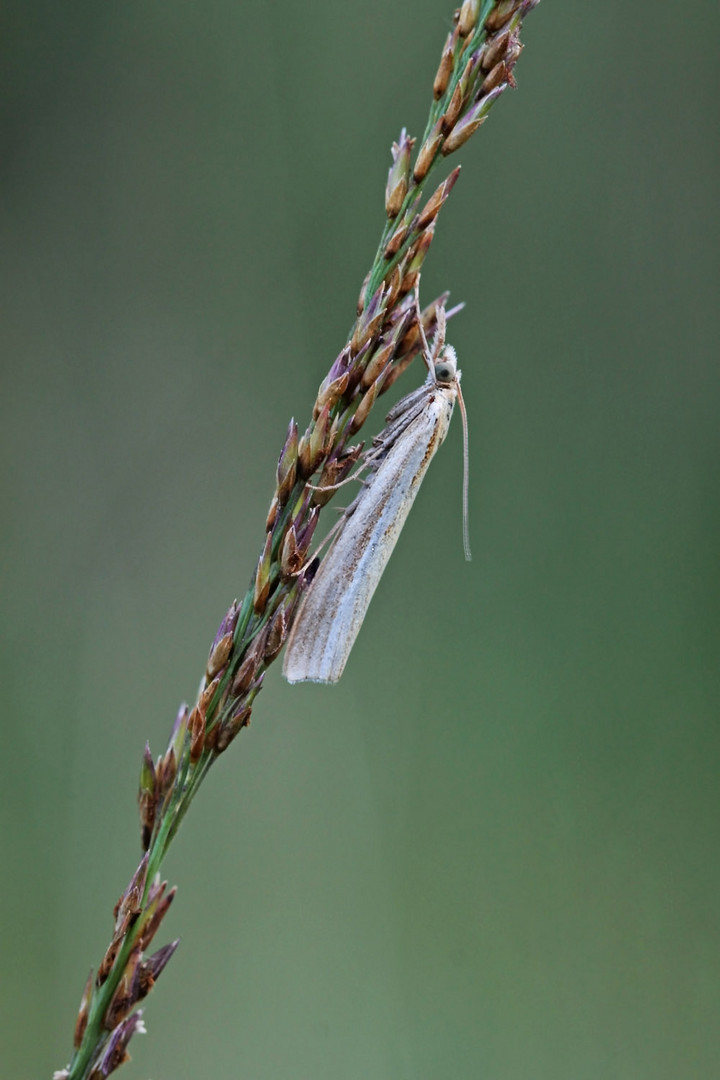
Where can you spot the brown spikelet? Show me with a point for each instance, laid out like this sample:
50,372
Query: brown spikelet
197,734
428,152
444,71
500,14
82,1016
363,410
245,673
219,656
468,17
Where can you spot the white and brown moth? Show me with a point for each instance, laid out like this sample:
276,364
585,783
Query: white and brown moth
334,606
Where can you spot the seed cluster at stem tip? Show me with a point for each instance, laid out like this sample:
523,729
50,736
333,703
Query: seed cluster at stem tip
476,66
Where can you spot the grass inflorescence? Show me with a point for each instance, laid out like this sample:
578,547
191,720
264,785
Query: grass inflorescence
476,66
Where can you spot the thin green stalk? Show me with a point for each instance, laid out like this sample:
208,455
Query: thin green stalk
476,66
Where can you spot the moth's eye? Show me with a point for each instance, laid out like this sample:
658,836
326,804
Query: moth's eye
445,371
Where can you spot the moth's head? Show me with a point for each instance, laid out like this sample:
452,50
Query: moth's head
446,369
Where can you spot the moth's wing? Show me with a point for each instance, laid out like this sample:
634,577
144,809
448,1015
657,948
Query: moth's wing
335,604
406,406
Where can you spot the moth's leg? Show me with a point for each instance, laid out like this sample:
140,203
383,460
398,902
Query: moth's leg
340,483
350,510
345,514
365,457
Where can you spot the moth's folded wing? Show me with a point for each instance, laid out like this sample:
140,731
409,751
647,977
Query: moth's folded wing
334,608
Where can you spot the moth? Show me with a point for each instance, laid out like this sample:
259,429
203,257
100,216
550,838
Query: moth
336,602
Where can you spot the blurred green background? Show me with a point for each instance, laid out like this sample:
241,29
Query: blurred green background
492,849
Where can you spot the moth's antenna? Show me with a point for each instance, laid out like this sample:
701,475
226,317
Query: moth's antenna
439,339
466,475
418,314
454,310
